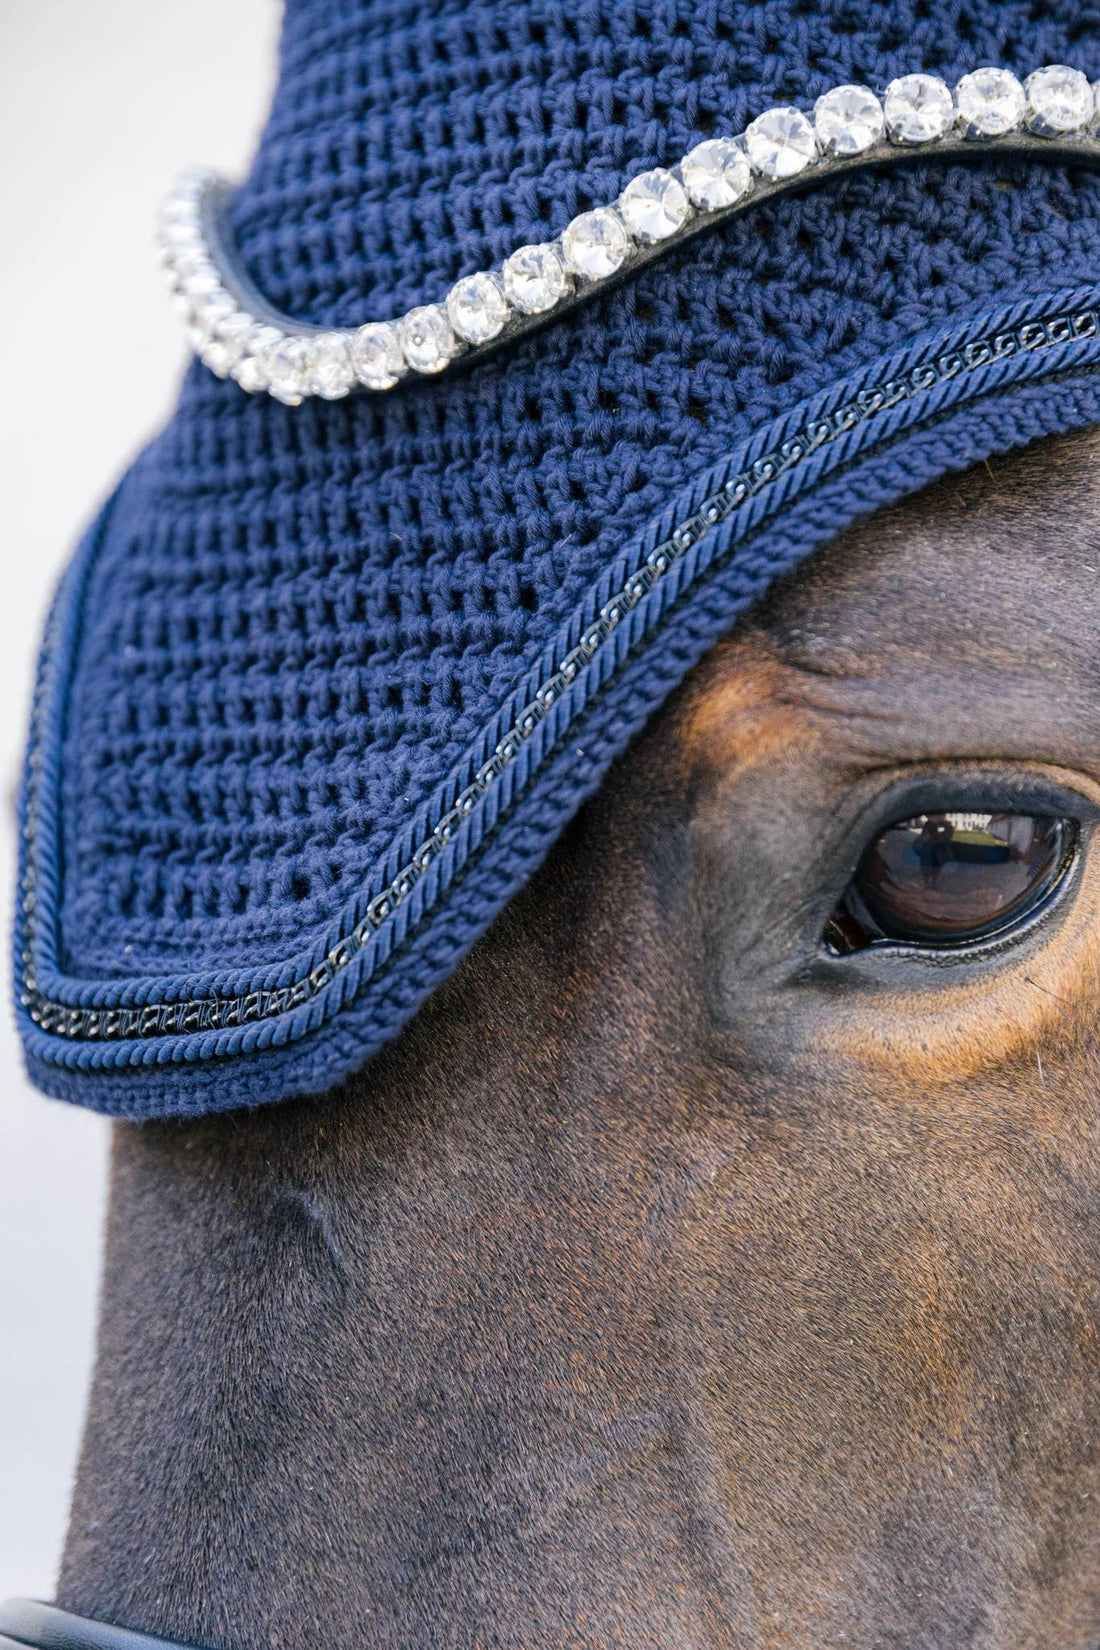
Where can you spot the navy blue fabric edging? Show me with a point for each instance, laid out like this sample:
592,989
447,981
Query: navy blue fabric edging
177,1045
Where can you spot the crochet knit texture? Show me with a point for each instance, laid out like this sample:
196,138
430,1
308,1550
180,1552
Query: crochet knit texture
298,620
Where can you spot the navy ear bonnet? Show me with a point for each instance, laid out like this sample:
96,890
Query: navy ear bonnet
325,682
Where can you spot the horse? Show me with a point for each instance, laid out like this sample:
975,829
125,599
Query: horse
712,1261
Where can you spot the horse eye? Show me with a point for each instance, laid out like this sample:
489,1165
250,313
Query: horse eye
945,879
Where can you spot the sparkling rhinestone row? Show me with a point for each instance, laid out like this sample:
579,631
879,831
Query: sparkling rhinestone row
264,351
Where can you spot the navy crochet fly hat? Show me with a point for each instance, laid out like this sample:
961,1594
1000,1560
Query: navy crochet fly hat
326,679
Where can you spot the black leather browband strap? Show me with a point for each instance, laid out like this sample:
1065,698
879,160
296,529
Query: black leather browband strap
27,1625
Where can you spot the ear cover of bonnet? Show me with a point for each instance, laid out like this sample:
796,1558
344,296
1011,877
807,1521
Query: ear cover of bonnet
325,682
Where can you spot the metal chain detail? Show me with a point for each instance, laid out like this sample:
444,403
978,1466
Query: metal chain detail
211,1011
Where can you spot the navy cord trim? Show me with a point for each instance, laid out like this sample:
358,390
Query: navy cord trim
127,1021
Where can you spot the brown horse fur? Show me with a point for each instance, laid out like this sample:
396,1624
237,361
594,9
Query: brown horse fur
670,1282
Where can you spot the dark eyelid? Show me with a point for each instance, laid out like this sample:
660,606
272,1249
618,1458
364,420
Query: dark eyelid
991,792
955,787
1042,803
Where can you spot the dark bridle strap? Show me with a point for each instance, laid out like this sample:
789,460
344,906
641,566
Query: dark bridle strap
27,1625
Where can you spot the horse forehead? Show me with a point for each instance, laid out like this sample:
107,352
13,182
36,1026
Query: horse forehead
971,572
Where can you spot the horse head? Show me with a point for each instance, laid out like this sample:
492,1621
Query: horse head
692,1270
561,823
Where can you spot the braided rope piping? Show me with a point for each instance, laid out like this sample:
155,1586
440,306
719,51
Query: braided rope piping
188,1017
237,334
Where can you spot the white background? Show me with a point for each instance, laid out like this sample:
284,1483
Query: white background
101,103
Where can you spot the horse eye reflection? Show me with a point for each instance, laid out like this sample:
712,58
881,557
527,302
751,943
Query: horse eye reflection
950,877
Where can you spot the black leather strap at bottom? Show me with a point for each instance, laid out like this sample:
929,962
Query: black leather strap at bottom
27,1625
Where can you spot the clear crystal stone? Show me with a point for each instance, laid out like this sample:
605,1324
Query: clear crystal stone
181,303
286,364
181,234
595,244
780,143
716,173
426,338
250,371
848,120
218,357
331,374
1059,101
534,279
990,102
919,109
230,340
250,375
206,297
376,355
179,265
476,308
194,271
208,312
179,208
197,274
654,205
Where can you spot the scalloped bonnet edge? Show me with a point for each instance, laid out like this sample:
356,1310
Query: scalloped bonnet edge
177,1045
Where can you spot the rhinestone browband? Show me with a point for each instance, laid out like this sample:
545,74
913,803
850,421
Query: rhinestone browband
238,335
